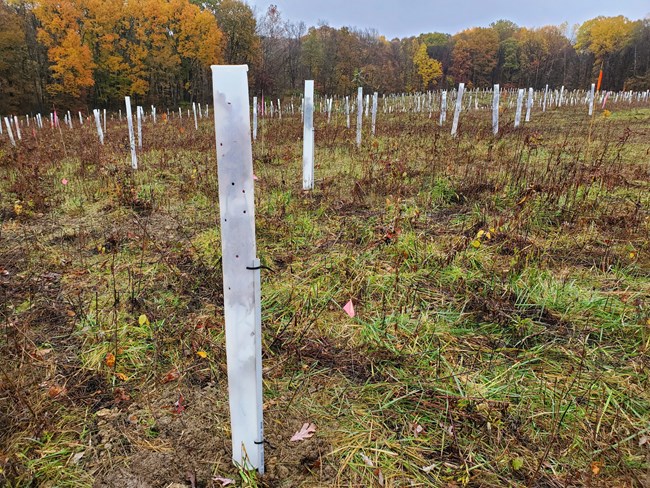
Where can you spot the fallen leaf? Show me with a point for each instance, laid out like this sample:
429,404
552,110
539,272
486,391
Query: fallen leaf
475,243
307,431
77,457
171,376
644,440
449,429
428,469
223,481
517,463
71,313
109,360
143,320
377,472
41,353
367,460
121,377
105,412
55,391
202,354
596,467
178,405
120,395
417,429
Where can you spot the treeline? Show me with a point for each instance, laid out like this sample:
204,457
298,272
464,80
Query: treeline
88,53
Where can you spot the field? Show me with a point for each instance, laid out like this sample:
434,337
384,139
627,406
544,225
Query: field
501,287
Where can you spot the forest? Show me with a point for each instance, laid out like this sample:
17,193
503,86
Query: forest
79,54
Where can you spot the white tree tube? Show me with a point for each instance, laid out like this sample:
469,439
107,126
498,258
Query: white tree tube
98,124
520,103
359,114
443,107
459,106
241,268
138,116
347,112
375,97
495,109
254,118
9,132
129,120
308,138
529,104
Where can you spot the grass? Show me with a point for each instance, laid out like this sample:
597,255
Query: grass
501,287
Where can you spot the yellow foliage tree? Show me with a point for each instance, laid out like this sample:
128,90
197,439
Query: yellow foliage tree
604,36
430,70
71,61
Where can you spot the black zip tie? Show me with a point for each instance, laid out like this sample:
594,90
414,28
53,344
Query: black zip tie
265,441
255,268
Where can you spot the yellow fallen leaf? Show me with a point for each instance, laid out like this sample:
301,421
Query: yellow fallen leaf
143,320
632,255
121,377
476,243
202,354
480,234
596,467
109,360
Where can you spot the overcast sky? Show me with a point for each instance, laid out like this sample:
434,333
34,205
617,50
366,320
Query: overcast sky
403,18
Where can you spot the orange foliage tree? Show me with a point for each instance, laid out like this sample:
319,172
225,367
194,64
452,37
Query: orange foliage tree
151,49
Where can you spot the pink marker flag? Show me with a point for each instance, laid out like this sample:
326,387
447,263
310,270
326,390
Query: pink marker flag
349,309
605,100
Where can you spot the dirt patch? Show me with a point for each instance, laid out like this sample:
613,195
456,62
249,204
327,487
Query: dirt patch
181,437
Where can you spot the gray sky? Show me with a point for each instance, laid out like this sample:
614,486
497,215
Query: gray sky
402,18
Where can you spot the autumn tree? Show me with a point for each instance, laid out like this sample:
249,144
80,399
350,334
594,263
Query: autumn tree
439,47
475,55
71,61
605,38
238,24
430,70
152,49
